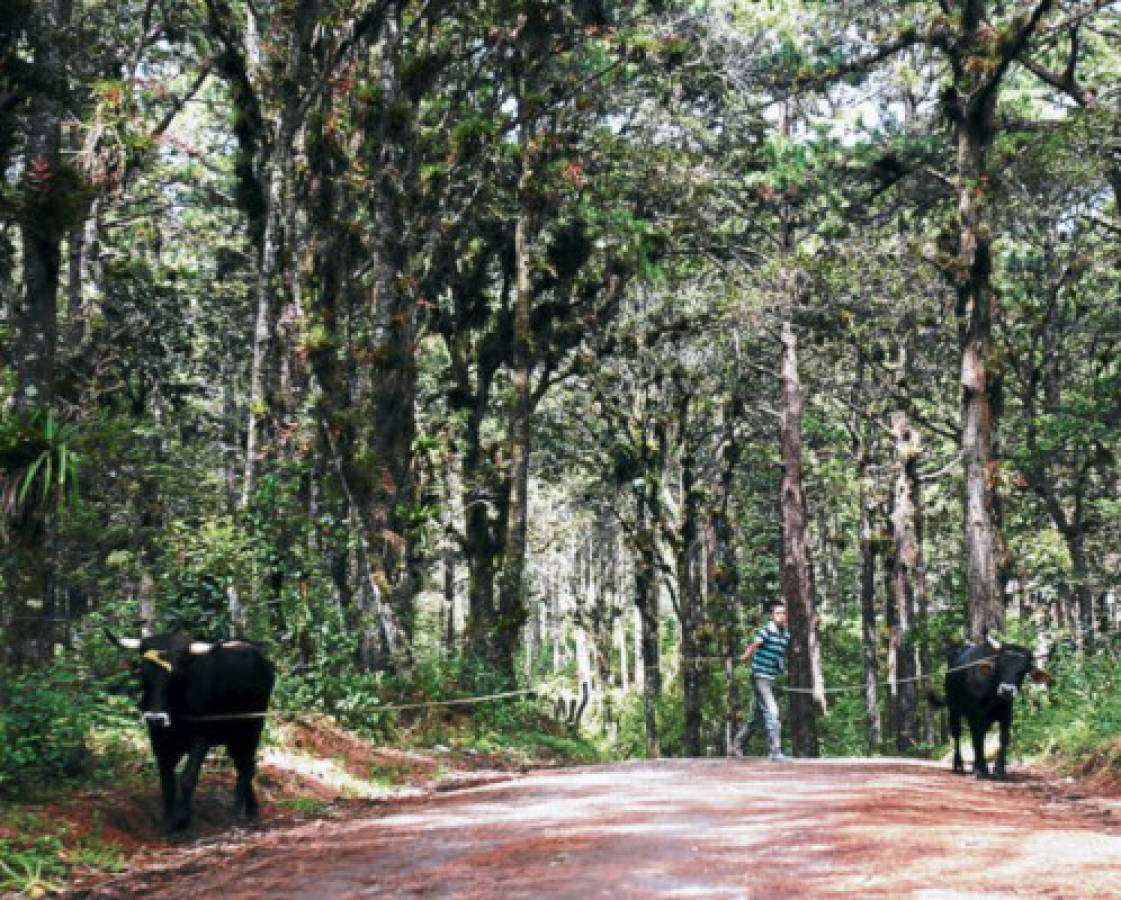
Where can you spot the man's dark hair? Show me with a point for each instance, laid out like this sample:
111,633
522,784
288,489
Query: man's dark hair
774,604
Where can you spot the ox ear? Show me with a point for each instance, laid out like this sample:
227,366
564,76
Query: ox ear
986,668
992,642
123,643
198,648
1040,677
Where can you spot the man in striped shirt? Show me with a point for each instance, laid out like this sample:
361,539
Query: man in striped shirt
767,653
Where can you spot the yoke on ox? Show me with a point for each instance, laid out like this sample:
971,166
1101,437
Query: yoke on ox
981,682
196,696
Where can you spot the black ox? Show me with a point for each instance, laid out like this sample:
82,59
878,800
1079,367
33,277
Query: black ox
981,682
196,696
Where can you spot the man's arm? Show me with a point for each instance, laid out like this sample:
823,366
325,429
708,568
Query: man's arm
751,648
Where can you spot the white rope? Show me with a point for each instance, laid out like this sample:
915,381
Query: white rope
396,706
505,694
844,688
456,702
888,683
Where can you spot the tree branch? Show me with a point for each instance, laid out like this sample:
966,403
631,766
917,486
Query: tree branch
1013,52
1065,82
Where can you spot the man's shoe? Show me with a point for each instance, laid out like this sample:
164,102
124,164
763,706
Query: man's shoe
779,757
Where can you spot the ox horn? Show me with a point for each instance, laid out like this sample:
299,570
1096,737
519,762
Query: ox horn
124,643
198,648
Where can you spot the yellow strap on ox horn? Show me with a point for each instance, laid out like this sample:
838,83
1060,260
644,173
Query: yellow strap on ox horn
154,656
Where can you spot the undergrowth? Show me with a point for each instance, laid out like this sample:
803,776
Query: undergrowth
37,853
1076,723
64,729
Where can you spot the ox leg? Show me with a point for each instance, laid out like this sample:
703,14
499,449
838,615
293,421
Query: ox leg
1002,754
977,730
245,800
199,748
955,730
170,789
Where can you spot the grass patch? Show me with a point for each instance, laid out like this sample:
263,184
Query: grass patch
303,806
38,855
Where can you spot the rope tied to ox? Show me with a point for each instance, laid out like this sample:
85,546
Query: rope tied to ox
843,688
223,717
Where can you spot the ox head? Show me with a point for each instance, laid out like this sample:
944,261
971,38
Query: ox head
1009,665
159,661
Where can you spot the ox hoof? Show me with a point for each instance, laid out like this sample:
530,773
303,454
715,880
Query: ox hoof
176,825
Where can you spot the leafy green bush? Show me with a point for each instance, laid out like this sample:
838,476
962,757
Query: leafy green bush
1079,713
669,713
369,701
45,719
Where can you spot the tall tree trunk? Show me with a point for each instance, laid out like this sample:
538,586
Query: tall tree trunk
481,541
922,605
268,270
394,396
725,575
689,584
972,103
621,645
646,601
1083,601
46,187
512,612
795,564
906,573
868,632
890,616
869,637
639,659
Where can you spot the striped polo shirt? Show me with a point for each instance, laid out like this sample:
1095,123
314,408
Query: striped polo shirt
769,660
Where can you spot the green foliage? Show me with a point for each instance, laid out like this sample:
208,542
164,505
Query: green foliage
630,741
38,462
328,680
201,562
36,855
72,718
364,701
31,867
842,729
308,806
45,719
1079,713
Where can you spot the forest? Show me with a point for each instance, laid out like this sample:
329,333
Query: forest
527,350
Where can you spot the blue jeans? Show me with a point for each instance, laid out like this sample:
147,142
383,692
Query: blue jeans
764,714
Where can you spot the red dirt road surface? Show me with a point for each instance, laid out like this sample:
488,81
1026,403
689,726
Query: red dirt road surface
683,828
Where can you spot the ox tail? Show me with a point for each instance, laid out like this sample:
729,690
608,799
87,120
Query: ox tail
934,699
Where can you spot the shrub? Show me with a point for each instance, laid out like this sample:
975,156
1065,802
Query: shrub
45,719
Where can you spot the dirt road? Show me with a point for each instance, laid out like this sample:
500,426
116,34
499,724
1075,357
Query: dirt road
685,828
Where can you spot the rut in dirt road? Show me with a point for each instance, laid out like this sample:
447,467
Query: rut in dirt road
673,828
